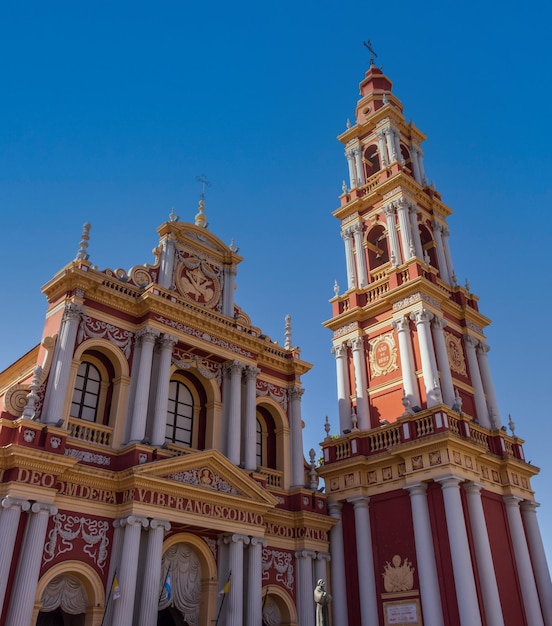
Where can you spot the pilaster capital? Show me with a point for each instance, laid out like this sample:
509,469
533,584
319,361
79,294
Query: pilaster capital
402,324
472,487
439,323
334,509
44,507
511,501
340,350
437,226
162,524
356,343
357,229
295,393
147,335
482,348
471,341
133,520
417,489
305,554
236,538
250,372
9,501
167,342
72,312
449,482
402,204
323,556
360,502
258,541
389,210
529,506
422,316
234,368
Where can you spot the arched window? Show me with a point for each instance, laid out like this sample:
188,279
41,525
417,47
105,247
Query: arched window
259,448
371,161
86,393
376,245
180,414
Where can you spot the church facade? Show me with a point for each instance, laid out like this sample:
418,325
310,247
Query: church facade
151,449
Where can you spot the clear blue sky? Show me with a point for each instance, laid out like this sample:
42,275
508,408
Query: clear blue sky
110,110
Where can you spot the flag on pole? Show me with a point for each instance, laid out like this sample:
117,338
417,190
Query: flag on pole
115,591
167,586
226,588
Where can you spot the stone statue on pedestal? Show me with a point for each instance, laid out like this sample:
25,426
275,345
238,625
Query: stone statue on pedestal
322,598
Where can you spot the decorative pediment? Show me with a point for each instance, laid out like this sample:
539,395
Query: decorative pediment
209,471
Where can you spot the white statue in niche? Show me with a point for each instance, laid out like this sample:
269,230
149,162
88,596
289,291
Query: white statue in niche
398,575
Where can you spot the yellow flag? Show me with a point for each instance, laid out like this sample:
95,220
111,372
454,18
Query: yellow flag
115,591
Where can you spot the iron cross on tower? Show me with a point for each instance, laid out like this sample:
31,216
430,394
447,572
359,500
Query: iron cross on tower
373,55
204,182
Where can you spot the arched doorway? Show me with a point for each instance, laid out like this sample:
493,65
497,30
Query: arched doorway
64,602
179,601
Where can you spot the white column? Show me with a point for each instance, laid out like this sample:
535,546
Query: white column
234,607
338,590
10,514
382,150
234,412
228,297
523,561
447,386
443,269
22,599
390,141
446,246
321,566
481,351
425,556
416,231
250,418
365,560
349,258
359,167
410,385
395,248
360,256
147,337
149,599
305,604
114,561
538,558
475,376
427,354
167,344
296,435
167,262
403,208
361,384
352,169
343,388
414,150
61,368
466,593
254,601
483,556
123,607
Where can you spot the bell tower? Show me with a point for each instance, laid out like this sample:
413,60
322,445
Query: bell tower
435,515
